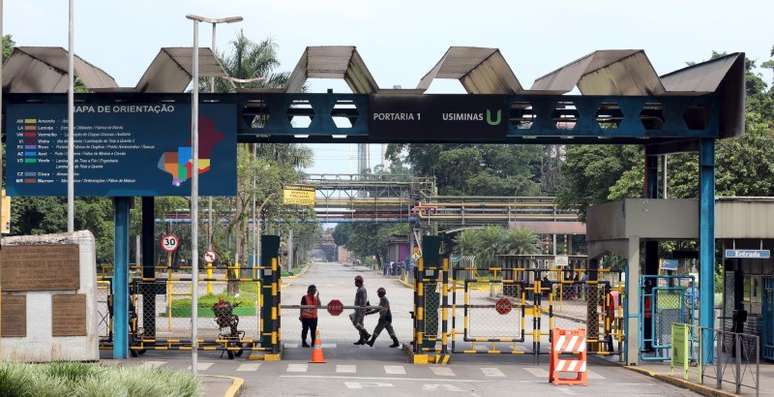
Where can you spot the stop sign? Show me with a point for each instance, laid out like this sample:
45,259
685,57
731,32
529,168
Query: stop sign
503,306
335,307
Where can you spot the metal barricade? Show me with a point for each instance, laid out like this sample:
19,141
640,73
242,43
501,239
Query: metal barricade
736,360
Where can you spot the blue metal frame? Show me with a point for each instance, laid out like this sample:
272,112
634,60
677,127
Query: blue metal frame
767,323
121,278
707,241
580,112
662,352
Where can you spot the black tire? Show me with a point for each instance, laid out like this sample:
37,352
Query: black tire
239,353
141,352
230,354
133,352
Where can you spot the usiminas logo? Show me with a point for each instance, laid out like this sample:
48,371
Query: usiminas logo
485,116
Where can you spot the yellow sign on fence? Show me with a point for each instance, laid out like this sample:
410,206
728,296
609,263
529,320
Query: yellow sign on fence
681,353
298,195
5,213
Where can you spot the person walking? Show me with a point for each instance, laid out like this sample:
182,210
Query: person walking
385,319
358,316
308,315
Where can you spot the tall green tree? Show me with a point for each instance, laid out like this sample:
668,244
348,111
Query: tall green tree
487,243
493,170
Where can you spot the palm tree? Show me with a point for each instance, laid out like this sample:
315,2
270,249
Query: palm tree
249,60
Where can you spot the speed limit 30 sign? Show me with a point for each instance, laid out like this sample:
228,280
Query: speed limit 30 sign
170,243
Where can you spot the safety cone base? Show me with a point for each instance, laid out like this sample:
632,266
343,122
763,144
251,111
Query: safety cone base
317,352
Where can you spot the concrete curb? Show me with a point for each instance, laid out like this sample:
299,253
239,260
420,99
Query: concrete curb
694,387
236,385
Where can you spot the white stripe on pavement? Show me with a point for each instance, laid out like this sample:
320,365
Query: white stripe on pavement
537,372
492,372
442,371
383,378
154,364
346,369
291,345
394,370
328,345
594,375
298,367
201,366
248,367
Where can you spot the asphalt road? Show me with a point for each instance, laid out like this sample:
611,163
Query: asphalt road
381,371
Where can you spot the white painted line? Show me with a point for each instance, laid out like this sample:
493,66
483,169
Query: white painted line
154,364
298,367
594,375
565,390
537,372
360,385
492,372
202,366
291,345
442,371
248,367
346,369
435,387
328,345
381,378
395,370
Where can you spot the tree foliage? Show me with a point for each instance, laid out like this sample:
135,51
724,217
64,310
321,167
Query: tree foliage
460,169
368,239
487,243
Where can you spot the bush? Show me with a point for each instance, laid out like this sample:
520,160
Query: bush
68,379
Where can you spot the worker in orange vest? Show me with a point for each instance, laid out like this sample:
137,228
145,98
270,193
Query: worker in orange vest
308,315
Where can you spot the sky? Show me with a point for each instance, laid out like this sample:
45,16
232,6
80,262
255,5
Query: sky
401,40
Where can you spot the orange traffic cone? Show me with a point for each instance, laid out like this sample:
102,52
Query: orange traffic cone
317,351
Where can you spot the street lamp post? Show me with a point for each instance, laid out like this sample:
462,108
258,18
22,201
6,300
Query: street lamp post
195,184
70,123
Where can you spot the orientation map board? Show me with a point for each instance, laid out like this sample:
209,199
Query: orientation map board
121,149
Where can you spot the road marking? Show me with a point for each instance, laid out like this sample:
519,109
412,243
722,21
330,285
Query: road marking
381,378
298,367
394,370
594,375
537,372
291,345
435,387
361,385
492,372
346,369
202,366
565,390
248,367
328,345
154,364
442,371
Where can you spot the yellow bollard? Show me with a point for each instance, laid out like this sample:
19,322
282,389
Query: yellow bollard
209,278
169,292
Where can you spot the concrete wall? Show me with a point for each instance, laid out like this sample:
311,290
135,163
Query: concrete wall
39,345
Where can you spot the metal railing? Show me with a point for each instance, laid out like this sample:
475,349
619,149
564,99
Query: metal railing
736,360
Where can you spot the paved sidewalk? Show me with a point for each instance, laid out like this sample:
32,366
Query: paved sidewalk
663,372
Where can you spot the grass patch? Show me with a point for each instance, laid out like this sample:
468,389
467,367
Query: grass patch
182,307
73,379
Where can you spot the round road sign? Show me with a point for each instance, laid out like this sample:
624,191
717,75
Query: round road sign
335,307
209,256
503,306
170,243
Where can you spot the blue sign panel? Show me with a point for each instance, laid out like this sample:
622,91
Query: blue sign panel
121,149
669,264
748,254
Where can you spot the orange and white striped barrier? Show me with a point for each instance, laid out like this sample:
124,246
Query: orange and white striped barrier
564,342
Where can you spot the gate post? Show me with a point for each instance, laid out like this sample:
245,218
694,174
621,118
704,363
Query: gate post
121,207
632,320
270,297
426,297
707,240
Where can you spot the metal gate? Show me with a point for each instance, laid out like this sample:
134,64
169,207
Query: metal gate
666,300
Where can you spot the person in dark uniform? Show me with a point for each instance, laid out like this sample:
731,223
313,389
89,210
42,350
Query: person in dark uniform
308,316
385,319
358,317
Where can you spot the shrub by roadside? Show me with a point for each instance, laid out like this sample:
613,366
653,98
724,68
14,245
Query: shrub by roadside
73,379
